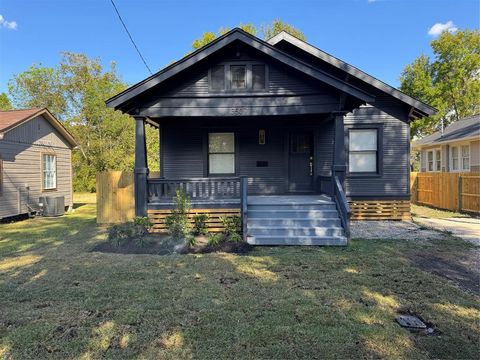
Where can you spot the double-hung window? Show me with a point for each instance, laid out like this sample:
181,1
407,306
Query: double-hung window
49,171
221,153
434,160
363,151
238,77
430,161
460,158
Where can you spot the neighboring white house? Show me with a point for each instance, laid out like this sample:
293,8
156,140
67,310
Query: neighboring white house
456,150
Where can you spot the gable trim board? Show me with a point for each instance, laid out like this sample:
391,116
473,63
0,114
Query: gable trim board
425,109
49,117
123,100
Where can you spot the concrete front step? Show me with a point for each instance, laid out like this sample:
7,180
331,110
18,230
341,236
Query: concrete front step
326,206
283,222
292,214
298,240
294,231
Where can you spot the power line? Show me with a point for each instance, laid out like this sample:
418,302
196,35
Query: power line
130,36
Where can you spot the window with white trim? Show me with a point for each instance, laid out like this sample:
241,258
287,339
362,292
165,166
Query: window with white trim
363,151
238,77
438,160
430,160
221,153
49,171
460,158
465,157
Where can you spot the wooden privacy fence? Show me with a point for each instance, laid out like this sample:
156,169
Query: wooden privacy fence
449,191
115,197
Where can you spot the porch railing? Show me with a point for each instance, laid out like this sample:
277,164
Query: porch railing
218,188
342,205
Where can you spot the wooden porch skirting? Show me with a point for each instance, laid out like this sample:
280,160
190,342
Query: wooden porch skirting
213,224
380,210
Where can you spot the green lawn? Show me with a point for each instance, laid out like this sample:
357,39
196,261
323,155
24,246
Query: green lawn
58,300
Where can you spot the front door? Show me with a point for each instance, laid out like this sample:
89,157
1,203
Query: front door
300,164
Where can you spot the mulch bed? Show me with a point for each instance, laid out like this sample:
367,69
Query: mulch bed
163,245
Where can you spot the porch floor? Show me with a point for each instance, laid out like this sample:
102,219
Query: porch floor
316,199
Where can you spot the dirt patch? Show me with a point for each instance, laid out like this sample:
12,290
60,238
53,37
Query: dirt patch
463,269
164,245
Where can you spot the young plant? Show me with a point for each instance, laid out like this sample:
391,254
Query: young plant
177,222
232,226
215,238
199,224
119,234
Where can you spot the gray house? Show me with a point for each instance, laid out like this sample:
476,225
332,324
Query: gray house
279,129
455,149
35,160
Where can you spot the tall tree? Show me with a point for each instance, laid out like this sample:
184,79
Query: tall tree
450,82
5,103
268,31
76,91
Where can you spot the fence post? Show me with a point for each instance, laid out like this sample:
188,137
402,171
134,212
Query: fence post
243,204
460,191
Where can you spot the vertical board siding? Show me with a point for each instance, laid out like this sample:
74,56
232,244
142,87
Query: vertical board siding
324,148
395,162
115,197
450,191
21,151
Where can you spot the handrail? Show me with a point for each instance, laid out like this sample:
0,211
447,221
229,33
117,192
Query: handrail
161,189
342,205
244,204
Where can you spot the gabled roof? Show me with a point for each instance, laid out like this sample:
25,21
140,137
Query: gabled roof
10,119
353,71
467,128
236,35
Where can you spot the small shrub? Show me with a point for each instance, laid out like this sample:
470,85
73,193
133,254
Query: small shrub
215,238
232,224
177,222
119,234
191,241
199,224
235,237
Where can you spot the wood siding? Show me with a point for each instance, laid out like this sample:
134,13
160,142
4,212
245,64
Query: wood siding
393,158
21,151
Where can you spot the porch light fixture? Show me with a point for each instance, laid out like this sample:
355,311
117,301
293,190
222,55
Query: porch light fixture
261,137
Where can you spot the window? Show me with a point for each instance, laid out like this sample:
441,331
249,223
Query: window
460,158
363,148
49,171
434,160
438,160
454,159
221,153
258,77
238,75
430,161
465,157
217,78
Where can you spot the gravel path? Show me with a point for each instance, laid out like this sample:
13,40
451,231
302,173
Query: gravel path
395,230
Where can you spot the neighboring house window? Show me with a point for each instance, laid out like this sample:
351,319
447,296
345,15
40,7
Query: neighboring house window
434,160
430,161
221,153
466,157
454,158
363,149
49,173
438,160
460,158
238,77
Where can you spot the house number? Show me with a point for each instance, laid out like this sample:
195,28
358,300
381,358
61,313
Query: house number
237,110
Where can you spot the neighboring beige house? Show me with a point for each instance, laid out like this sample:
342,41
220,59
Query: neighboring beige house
457,149
35,160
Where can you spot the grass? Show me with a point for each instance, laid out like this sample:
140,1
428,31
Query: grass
58,300
428,212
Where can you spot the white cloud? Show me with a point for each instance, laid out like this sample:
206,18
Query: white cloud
438,28
11,25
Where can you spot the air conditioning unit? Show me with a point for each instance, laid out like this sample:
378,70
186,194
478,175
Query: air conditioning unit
52,205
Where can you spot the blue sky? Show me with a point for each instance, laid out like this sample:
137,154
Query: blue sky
377,36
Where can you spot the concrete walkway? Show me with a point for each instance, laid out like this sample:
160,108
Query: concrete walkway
465,228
